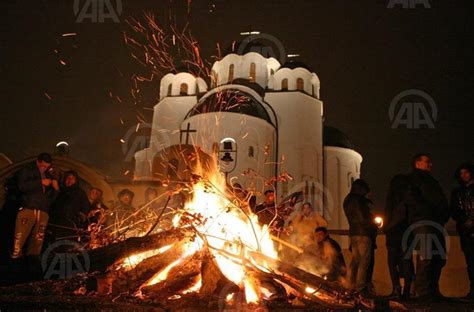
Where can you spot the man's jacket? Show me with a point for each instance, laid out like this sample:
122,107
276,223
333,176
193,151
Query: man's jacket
32,193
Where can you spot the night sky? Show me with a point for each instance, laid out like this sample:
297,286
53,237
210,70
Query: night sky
363,52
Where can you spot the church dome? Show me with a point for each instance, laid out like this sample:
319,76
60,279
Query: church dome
181,84
335,137
231,101
295,78
296,64
251,66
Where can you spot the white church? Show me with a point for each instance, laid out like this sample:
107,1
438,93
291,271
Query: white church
261,119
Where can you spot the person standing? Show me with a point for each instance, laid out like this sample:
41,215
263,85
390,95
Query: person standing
361,232
462,211
396,223
428,212
38,188
70,209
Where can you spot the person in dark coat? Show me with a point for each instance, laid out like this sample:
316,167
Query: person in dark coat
69,213
362,231
462,211
396,223
38,187
428,212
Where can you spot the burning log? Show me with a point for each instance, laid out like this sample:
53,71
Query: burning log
179,278
213,279
102,258
133,271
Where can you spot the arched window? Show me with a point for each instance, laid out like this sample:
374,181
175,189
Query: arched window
300,84
253,72
231,73
170,86
312,87
272,71
183,89
251,151
172,172
284,85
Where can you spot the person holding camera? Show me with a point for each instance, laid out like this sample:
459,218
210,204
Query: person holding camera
38,188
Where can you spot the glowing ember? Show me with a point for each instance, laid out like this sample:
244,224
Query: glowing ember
195,287
310,290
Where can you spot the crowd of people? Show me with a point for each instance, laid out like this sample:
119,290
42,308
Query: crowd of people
52,207
416,213
44,206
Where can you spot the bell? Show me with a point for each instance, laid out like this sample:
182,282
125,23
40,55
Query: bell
227,157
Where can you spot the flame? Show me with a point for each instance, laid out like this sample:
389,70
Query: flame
266,293
133,260
251,294
194,288
312,291
189,249
176,219
230,232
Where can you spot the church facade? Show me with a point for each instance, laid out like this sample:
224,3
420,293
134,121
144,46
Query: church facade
262,119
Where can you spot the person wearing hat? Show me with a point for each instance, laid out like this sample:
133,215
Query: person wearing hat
122,216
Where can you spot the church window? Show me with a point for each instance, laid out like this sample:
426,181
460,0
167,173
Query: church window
284,85
300,84
251,151
173,169
170,86
231,73
183,89
253,72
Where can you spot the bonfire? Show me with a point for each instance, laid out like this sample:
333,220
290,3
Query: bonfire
215,253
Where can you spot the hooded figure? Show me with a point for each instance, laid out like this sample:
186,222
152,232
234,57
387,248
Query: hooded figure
69,212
